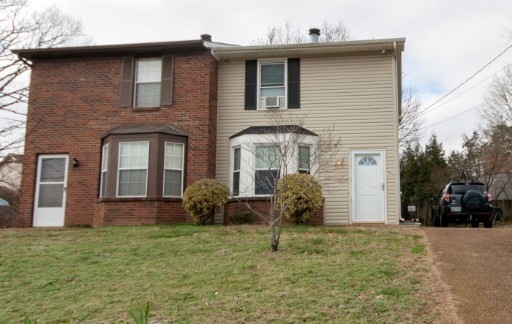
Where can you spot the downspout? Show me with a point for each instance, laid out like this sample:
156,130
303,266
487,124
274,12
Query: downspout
398,117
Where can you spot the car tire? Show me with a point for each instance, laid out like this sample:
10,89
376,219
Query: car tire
488,223
435,219
473,200
443,221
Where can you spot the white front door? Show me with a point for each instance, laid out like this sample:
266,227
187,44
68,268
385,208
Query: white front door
50,198
369,187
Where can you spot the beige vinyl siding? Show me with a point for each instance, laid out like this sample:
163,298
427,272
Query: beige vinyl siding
353,93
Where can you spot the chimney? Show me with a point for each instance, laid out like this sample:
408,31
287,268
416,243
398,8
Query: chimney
206,37
314,33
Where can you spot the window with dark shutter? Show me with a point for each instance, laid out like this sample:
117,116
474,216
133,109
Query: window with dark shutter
126,82
294,83
251,84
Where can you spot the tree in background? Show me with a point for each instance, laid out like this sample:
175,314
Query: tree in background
329,32
423,172
410,122
498,100
19,28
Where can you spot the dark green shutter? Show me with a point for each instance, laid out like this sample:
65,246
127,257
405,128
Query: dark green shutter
251,85
294,83
126,94
167,80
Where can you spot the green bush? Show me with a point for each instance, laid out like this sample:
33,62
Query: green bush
300,194
242,217
203,197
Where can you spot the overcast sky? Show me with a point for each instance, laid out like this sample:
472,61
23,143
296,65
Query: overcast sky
447,41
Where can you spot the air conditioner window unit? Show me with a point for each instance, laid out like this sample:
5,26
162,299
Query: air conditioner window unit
272,102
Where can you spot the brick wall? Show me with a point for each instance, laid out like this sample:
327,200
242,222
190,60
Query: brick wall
75,101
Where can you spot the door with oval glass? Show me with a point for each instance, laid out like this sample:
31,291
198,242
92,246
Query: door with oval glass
50,198
369,187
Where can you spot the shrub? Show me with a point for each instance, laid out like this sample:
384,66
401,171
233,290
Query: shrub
242,217
300,195
203,197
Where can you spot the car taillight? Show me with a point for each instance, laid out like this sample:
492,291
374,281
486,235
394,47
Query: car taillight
489,197
446,197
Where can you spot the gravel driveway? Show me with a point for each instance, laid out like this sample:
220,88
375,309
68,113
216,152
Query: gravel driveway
476,264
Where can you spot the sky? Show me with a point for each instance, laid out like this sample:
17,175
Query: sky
446,41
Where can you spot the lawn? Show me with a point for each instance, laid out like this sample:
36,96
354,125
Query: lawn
216,274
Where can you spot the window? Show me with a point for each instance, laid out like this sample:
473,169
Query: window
272,85
173,169
147,82
304,160
267,169
148,76
104,171
133,169
236,171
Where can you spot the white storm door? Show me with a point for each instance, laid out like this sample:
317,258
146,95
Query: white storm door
369,188
50,199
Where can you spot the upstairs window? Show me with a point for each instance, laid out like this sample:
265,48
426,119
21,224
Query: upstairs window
272,85
147,82
148,76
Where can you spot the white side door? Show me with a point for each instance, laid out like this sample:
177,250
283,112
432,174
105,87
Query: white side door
50,198
368,187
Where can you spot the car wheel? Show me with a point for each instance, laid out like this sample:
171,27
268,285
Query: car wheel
443,221
435,219
488,224
473,200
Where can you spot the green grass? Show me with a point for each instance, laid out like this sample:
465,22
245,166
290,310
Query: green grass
215,274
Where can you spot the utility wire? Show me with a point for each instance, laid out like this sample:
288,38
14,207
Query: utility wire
451,117
424,111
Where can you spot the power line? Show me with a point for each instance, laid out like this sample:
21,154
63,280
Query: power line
451,117
424,111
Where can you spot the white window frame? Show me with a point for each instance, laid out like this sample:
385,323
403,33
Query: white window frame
298,158
247,144
283,61
119,169
174,169
104,170
280,167
136,82
233,171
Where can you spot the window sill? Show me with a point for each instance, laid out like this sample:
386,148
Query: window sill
144,109
117,199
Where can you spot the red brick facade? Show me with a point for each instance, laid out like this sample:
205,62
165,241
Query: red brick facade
74,102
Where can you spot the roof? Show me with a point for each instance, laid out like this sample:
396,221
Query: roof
146,129
309,49
280,129
185,46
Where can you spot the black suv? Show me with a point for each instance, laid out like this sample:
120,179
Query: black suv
463,202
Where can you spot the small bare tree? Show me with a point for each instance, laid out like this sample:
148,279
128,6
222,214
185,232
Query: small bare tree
288,148
410,122
329,32
19,28
498,100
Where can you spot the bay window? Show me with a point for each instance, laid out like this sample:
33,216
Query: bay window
133,169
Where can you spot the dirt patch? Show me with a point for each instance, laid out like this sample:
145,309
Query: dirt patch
474,263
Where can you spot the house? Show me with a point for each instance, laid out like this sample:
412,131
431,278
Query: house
116,133
353,86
